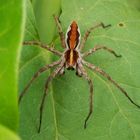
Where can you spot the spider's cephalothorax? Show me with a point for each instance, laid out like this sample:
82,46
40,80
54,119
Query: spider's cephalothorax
72,42
72,58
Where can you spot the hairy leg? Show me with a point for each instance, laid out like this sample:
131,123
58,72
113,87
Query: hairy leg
36,75
50,78
96,48
103,73
62,37
89,31
86,77
37,43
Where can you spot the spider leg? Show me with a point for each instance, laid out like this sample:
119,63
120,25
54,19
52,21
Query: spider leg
103,73
96,48
53,75
89,31
36,75
61,34
37,43
86,77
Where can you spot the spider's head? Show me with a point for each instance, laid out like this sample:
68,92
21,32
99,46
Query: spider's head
70,68
71,57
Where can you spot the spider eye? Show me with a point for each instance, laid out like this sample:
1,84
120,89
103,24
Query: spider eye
70,68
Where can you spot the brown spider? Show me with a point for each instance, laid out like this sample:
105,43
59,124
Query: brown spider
72,59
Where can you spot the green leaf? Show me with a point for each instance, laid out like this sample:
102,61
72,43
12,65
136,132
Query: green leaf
67,105
44,10
6,134
11,15
135,4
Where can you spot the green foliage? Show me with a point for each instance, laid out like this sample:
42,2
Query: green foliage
11,16
45,23
66,107
6,134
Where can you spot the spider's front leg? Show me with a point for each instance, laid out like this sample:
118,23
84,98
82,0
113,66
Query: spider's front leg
103,73
98,47
50,78
35,76
81,71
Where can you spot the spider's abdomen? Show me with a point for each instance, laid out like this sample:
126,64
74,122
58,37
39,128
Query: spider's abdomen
71,57
73,36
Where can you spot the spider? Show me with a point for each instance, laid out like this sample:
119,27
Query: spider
72,59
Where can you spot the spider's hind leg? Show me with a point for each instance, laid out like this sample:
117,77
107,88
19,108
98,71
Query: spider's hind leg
98,47
87,33
41,45
105,26
61,34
